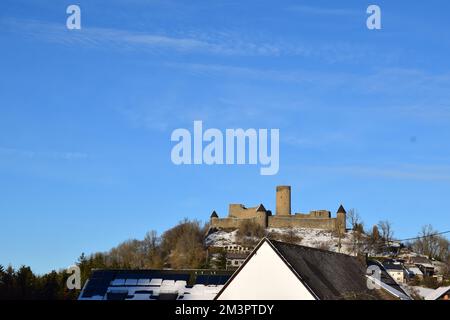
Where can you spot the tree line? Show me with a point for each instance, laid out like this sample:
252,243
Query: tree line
181,247
380,239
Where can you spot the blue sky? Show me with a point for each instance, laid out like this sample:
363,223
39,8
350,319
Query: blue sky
86,115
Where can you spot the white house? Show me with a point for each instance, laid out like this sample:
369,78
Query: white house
282,271
396,271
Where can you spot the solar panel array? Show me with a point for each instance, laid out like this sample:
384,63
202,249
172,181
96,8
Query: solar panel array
212,279
148,284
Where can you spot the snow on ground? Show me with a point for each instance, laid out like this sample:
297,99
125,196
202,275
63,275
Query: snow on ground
316,238
221,238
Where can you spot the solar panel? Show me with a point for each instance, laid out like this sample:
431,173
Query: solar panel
202,279
143,292
118,295
168,283
101,280
143,282
168,296
224,279
212,279
131,282
156,282
118,282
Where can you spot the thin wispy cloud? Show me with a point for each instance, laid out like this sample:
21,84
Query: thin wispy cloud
266,74
191,42
397,172
312,10
385,80
220,43
173,110
318,140
52,155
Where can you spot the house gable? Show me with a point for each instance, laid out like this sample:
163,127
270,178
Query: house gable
265,276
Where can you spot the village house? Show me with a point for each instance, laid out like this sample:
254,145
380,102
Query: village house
396,271
414,272
237,248
293,272
235,259
424,264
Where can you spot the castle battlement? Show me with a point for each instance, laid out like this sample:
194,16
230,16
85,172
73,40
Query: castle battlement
283,218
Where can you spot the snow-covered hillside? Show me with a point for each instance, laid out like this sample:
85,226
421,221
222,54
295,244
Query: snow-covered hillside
316,238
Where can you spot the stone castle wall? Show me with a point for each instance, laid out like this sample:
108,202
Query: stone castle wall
240,211
293,222
314,214
234,223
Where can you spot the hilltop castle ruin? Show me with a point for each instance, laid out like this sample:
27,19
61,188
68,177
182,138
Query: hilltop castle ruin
318,219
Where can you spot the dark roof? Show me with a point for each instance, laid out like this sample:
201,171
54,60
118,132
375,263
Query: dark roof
392,266
385,277
341,209
420,260
214,214
329,275
237,255
261,208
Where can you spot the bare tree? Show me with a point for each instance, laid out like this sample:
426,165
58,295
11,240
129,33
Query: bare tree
151,241
353,218
431,244
183,245
358,241
386,231
375,234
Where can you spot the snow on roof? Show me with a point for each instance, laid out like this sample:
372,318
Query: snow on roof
423,292
156,282
168,283
131,282
426,265
415,271
436,294
143,282
388,288
153,284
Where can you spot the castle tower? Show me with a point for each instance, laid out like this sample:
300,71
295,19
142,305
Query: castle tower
214,218
283,201
341,220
